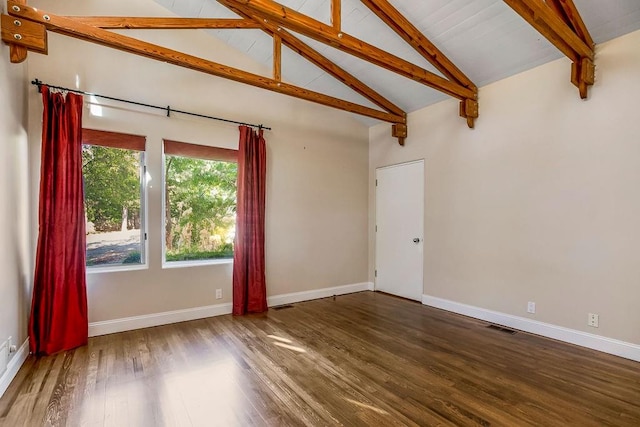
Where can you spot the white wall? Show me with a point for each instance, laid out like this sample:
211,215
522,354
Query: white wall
317,163
15,262
540,202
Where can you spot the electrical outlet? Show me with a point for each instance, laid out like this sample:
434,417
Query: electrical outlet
593,320
531,307
218,293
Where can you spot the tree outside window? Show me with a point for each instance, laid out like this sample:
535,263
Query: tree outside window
200,206
113,195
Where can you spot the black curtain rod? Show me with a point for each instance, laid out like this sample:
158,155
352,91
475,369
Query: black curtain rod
168,109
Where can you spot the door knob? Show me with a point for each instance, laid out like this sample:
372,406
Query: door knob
416,240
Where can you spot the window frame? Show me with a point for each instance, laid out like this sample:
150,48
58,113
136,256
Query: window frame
131,142
204,152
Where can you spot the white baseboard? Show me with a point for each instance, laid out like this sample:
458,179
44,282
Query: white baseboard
167,317
14,366
317,293
156,319
572,336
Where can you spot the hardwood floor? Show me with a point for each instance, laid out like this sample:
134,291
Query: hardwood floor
362,359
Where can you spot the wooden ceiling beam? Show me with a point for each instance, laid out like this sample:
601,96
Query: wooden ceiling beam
295,21
17,54
24,33
311,55
148,23
277,57
115,22
336,14
560,22
568,11
414,37
543,18
583,70
71,28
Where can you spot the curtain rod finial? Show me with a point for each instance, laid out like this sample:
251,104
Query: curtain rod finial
37,83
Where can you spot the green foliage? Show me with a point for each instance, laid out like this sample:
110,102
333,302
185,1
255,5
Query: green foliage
111,185
194,256
132,258
201,207
200,201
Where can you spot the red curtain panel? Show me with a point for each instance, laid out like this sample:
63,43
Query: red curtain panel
249,285
59,318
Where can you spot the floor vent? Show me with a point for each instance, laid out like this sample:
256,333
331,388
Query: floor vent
282,307
501,329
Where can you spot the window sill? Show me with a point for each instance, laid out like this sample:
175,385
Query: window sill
115,268
185,264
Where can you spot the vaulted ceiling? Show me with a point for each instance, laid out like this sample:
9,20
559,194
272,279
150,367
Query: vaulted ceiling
377,58
485,39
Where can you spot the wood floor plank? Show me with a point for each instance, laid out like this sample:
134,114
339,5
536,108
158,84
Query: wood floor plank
363,359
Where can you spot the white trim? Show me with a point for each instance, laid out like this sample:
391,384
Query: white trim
276,300
14,366
572,336
156,319
393,165
115,268
196,263
167,317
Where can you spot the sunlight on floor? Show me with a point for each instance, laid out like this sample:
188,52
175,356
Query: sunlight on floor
277,338
290,347
286,343
200,393
364,405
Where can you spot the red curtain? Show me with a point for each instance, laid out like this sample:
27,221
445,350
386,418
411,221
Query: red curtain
249,286
59,318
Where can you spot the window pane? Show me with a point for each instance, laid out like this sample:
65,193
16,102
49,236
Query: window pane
200,208
112,195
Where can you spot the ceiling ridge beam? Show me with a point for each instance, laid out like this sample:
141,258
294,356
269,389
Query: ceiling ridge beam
159,23
295,21
71,28
414,37
313,56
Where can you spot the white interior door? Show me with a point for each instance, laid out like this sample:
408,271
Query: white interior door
399,229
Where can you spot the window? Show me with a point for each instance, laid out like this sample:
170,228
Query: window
200,202
113,172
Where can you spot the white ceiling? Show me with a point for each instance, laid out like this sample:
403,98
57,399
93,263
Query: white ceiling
486,39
